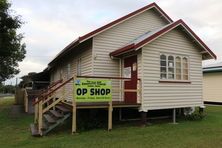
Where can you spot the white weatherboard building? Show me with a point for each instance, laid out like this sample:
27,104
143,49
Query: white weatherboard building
165,54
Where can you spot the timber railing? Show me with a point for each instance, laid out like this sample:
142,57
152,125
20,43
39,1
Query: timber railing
48,100
52,96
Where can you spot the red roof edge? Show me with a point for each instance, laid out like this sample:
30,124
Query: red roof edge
157,34
122,50
65,50
201,42
90,34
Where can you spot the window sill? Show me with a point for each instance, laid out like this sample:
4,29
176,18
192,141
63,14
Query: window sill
175,81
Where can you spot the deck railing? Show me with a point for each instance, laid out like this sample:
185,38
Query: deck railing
49,98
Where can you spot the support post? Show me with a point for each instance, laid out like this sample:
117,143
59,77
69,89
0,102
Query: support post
120,114
174,116
110,115
36,112
74,127
143,118
40,118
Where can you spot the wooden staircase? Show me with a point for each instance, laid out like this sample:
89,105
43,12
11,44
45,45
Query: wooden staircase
50,111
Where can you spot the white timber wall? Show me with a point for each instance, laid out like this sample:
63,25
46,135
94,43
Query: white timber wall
158,95
86,69
118,36
212,87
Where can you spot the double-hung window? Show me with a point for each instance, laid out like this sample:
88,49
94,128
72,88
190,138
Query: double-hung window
174,67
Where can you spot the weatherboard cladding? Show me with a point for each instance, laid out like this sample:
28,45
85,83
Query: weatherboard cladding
158,95
96,61
116,37
212,87
86,69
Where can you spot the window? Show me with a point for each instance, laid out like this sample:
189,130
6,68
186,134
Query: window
79,64
163,67
174,67
170,67
68,70
178,68
185,69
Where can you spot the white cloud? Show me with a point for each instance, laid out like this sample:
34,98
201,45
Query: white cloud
52,24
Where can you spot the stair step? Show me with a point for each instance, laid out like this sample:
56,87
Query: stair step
62,108
44,125
49,119
34,130
56,113
59,122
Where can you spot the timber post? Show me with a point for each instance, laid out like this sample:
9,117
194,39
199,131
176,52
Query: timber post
143,118
110,115
40,118
74,127
36,112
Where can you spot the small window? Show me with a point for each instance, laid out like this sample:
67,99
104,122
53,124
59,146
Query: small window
170,67
68,70
174,67
79,65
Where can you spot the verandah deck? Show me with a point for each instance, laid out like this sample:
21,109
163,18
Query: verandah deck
115,104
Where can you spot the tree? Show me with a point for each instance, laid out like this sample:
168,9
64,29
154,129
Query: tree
12,50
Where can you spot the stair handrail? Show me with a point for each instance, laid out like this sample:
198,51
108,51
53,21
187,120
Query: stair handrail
51,92
43,91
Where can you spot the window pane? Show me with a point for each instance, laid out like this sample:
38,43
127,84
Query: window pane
170,76
163,57
185,77
178,77
163,63
170,61
178,68
171,70
185,71
185,60
163,76
163,69
185,68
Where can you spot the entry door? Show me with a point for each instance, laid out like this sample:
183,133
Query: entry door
130,70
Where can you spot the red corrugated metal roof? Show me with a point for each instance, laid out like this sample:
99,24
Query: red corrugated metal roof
152,36
109,25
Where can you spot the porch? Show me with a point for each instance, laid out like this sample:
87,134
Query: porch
51,110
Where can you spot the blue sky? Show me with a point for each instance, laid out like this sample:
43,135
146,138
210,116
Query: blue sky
52,24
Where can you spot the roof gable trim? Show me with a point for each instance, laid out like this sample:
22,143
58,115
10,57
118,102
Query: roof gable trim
124,18
161,32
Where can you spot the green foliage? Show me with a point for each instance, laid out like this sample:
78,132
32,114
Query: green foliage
12,50
195,117
7,89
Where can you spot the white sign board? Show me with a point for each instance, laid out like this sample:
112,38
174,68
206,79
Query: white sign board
127,72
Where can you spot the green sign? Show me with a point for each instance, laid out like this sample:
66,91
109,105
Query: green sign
92,90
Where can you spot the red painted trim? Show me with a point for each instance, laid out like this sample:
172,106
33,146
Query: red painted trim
159,33
90,34
202,43
122,50
101,77
186,82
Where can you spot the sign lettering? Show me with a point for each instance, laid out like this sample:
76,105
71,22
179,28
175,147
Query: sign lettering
92,90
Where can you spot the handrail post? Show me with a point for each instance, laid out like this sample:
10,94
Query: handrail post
36,111
40,118
74,127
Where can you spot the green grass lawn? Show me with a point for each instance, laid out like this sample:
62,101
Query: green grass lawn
14,132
